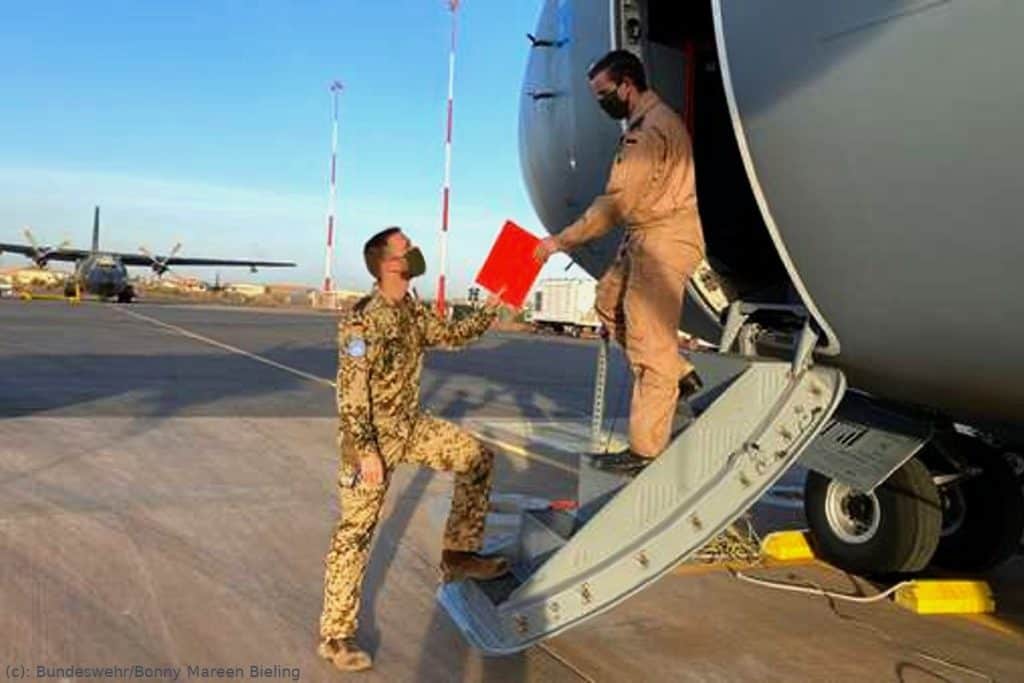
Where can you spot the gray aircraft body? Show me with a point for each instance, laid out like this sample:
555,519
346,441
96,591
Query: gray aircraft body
105,274
858,165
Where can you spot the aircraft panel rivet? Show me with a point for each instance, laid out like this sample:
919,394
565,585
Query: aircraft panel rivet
642,560
553,608
522,624
696,523
585,593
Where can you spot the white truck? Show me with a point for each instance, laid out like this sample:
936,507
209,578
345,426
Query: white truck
565,306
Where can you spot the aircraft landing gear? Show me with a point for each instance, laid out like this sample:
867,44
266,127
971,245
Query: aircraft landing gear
957,504
982,511
892,530
126,295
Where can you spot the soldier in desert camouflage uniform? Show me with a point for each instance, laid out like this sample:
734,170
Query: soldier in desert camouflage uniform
380,349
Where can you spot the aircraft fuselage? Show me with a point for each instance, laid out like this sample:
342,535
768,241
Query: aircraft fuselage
103,275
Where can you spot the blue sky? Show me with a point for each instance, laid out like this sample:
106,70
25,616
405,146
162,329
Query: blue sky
209,123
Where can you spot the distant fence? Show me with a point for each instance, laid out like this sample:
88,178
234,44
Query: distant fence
336,300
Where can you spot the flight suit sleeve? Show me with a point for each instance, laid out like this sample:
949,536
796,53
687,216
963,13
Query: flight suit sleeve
631,171
358,348
439,332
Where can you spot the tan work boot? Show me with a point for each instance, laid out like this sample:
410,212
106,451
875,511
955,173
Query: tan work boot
345,654
457,565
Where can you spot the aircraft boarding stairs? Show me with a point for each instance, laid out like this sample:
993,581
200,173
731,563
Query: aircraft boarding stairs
752,420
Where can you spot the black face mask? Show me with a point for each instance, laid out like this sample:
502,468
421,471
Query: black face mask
614,106
415,264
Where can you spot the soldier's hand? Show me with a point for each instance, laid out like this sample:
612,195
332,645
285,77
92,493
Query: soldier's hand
544,250
495,300
371,470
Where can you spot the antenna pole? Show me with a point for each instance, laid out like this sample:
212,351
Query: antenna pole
453,6
332,195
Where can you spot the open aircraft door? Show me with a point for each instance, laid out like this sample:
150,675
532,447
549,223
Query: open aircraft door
752,421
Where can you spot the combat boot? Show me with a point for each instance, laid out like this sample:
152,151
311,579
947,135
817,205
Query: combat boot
690,385
622,462
457,565
345,654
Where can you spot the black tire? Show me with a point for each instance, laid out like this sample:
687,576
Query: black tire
984,515
126,296
909,518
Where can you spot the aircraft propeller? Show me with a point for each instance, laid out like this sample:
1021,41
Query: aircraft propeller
42,254
160,266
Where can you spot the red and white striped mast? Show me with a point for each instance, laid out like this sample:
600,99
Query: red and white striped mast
453,6
332,196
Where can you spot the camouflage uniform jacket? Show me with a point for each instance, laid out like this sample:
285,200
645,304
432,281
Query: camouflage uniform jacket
380,358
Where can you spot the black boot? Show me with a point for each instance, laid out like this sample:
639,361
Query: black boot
690,385
625,462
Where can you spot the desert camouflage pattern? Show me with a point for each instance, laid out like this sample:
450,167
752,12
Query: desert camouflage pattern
381,356
380,359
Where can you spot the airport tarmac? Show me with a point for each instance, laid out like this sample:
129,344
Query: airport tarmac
167,495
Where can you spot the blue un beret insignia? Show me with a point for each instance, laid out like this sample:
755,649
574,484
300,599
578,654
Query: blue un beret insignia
356,348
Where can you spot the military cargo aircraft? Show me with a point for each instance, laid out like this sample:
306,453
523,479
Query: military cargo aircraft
104,273
859,186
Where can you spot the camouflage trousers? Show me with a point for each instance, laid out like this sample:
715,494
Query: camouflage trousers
437,444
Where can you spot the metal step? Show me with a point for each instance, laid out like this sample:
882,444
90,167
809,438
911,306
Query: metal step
596,487
742,442
718,371
541,534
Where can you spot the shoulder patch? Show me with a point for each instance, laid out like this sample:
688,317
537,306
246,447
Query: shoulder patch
356,347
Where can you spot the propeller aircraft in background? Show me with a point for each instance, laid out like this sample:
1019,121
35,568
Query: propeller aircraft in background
104,273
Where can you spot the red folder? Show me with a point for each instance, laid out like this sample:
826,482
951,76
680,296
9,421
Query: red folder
510,265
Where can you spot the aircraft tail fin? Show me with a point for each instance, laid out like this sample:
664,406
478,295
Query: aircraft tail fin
96,230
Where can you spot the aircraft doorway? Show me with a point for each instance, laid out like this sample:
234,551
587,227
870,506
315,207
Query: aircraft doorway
682,60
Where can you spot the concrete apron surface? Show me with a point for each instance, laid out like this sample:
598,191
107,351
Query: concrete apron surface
161,537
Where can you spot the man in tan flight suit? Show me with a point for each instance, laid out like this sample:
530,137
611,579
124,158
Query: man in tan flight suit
651,191
380,347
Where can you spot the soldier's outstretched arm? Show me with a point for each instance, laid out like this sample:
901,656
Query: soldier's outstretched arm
439,332
631,171
358,348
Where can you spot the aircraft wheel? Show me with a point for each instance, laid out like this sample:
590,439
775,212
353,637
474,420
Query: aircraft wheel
126,296
983,515
892,530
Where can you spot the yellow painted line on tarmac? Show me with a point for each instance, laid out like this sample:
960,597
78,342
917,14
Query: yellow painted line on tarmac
505,446
522,452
